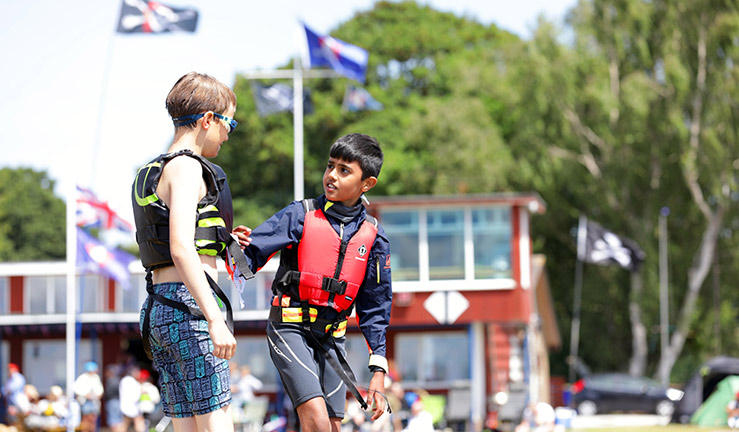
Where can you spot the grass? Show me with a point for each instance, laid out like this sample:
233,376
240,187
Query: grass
668,428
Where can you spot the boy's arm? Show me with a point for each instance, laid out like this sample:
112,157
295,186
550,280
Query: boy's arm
181,183
373,305
281,229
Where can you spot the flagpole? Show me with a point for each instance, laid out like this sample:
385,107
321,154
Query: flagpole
101,109
577,297
663,288
71,335
298,183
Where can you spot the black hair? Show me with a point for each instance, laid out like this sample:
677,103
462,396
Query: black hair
361,148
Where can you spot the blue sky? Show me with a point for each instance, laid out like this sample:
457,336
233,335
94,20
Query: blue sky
87,104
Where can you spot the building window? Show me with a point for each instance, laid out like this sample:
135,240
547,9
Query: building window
491,236
133,298
403,230
446,244
37,295
427,358
90,292
60,294
4,290
45,360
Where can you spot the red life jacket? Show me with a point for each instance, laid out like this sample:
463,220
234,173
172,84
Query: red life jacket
331,269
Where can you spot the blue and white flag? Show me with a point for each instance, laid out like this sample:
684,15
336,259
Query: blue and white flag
95,257
359,99
344,58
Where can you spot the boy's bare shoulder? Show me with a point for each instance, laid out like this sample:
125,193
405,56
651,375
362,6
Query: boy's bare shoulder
183,165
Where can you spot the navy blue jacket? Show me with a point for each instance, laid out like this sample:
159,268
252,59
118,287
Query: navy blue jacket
375,295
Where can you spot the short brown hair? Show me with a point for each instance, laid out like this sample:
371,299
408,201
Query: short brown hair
195,93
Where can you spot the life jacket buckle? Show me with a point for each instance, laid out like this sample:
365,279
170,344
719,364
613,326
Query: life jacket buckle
334,286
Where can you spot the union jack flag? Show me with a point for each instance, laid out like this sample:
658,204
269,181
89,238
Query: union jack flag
94,213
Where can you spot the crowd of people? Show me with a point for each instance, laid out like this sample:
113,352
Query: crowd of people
125,390
408,412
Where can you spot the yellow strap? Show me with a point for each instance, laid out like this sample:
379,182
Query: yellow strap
295,315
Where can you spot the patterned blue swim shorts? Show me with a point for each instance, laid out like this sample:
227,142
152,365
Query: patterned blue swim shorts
192,380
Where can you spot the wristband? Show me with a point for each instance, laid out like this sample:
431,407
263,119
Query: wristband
378,361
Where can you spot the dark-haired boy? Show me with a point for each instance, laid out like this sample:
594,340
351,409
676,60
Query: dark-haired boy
334,256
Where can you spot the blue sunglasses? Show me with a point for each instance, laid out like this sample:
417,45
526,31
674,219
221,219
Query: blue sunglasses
229,122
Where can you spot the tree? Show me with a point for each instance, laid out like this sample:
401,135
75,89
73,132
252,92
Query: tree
598,121
32,218
627,107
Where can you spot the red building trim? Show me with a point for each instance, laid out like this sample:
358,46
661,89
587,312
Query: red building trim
16,294
111,295
515,250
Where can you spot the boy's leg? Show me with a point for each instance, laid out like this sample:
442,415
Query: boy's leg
184,424
314,416
335,424
215,421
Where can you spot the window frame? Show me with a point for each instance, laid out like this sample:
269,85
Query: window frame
469,282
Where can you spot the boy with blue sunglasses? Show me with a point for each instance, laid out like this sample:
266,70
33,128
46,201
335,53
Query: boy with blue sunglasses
183,212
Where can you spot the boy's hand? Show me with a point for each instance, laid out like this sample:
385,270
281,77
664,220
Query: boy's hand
224,343
242,235
375,394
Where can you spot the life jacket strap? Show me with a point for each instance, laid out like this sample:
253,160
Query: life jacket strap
341,367
146,330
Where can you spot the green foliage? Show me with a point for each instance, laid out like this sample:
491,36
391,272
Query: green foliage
32,219
595,118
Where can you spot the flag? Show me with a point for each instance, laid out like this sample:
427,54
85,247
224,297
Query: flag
94,213
358,99
140,16
95,257
600,246
277,98
344,58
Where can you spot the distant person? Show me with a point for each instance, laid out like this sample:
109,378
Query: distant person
732,411
13,391
538,417
111,397
50,413
88,388
150,396
129,396
420,419
334,259
183,212
247,385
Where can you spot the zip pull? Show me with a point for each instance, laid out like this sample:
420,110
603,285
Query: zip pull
341,230
378,270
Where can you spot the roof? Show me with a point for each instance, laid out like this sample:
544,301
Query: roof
530,200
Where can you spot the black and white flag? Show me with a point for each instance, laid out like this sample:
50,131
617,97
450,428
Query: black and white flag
597,245
143,16
275,98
